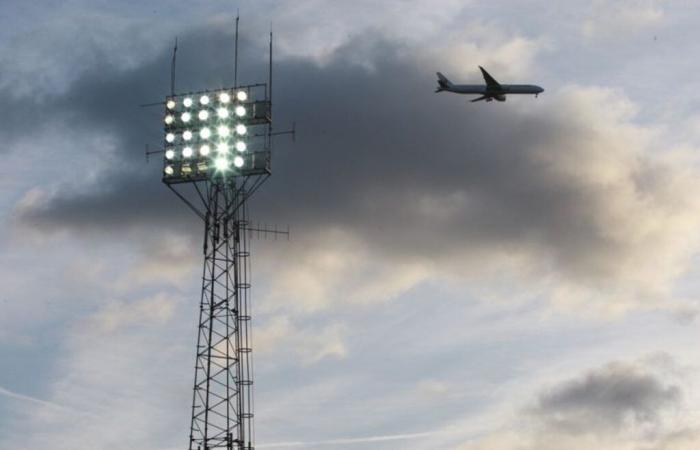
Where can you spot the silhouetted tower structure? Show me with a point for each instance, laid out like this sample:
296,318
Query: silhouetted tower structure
216,154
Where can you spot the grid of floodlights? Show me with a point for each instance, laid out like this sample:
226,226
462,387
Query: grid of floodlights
206,134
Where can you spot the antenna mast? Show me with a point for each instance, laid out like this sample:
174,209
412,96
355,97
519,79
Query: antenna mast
235,60
172,70
269,82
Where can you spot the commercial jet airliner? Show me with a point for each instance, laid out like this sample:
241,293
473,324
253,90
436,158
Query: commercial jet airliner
493,90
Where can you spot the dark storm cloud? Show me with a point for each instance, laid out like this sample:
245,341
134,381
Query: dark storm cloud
105,100
414,174
621,405
606,400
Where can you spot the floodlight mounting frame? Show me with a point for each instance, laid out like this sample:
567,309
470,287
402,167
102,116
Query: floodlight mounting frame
256,159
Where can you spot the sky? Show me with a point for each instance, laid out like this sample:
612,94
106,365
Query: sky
460,276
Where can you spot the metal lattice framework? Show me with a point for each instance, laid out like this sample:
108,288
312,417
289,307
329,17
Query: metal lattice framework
215,173
222,403
216,154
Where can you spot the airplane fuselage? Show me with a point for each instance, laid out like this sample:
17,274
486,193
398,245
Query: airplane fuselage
485,90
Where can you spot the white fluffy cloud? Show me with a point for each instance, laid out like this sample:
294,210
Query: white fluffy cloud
611,19
280,339
571,211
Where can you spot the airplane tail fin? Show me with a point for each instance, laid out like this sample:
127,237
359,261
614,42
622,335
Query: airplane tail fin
443,83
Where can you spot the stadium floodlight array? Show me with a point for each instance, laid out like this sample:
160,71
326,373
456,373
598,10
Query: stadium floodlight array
212,135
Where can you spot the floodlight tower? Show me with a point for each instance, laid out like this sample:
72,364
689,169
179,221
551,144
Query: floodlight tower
216,154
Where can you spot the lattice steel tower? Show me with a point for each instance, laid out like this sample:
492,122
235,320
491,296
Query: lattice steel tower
217,149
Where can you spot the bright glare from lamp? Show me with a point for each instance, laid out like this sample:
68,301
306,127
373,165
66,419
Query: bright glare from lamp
187,152
222,113
187,135
169,119
241,129
240,111
222,147
223,131
242,96
203,115
204,150
240,146
170,104
187,102
170,137
224,97
169,170
238,161
204,99
186,117
169,154
221,163
205,133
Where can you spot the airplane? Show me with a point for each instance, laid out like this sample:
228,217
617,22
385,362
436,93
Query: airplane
493,90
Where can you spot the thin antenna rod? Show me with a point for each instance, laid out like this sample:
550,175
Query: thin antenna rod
235,60
172,69
269,81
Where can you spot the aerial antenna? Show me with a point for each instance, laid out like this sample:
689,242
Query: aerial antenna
172,70
269,81
235,57
270,133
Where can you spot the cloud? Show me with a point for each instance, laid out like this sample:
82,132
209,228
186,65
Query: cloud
606,400
349,441
432,387
332,267
157,309
321,29
48,50
615,19
389,186
280,336
102,378
686,439
566,193
32,400
621,405
507,56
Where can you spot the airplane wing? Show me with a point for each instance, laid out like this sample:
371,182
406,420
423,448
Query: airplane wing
483,97
491,82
